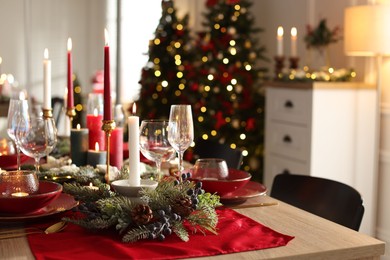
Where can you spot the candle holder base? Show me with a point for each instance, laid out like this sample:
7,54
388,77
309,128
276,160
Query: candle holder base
47,112
294,62
279,65
123,187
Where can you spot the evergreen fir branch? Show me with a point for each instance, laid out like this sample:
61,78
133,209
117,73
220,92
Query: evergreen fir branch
84,193
96,223
136,234
179,229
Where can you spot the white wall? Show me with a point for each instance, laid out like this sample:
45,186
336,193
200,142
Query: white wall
28,27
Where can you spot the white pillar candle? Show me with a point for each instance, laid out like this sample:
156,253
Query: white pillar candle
279,38
46,80
134,156
294,42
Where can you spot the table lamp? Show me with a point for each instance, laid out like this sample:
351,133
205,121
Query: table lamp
367,34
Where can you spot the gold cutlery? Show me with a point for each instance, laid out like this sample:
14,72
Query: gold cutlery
263,204
57,227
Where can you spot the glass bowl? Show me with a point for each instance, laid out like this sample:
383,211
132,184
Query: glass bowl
18,183
22,203
221,185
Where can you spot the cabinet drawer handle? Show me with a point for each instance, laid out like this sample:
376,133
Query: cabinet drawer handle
288,104
287,139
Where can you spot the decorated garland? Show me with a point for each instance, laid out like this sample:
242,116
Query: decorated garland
177,205
330,75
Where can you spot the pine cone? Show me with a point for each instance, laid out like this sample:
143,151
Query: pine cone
183,206
141,214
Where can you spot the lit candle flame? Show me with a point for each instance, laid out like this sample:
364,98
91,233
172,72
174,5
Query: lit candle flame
97,147
280,31
22,95
19,194
134,109
95,112
69,44
46,54
294,32
106,37
78,127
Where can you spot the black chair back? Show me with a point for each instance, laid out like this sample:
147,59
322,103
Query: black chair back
212,149
326,198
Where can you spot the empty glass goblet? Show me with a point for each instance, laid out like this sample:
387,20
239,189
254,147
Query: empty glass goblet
37,137
180,130
17,110
154,143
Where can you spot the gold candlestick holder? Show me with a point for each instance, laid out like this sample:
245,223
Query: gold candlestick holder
47,112
71,112
107,127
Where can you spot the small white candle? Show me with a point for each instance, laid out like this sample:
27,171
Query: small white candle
279,38
92,187
46,80
134,157
294,42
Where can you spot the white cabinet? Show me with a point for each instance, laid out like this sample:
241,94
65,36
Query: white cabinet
323,129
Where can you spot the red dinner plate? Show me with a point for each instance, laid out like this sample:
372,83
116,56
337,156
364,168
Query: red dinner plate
63,203
47,192
250,190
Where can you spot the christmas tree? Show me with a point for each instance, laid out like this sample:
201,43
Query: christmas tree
218,76
230,104
164,80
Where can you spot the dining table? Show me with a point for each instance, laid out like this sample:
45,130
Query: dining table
313,237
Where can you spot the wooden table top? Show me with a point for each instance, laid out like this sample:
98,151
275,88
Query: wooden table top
315,237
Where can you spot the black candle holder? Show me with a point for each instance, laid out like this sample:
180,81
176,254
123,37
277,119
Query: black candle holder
294,62
108,126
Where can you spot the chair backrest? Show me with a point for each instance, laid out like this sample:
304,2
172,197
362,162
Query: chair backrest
326,198
212,149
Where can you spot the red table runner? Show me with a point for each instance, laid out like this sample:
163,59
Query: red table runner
236,233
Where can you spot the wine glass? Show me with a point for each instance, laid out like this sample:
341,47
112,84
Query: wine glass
154,144
37,137
180,130
17,110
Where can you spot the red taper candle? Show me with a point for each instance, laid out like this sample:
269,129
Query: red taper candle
70,81
107,90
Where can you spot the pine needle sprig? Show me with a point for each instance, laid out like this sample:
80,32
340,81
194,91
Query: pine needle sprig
86,194
94,223
179,229
205,219
136,234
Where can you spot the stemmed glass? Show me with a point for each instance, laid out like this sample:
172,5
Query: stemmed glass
180,130
154,144
37,137
18,109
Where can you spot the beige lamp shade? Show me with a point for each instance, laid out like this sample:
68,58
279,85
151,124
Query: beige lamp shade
367,30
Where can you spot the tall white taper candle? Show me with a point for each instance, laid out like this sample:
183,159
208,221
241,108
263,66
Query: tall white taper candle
46,80
134,152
